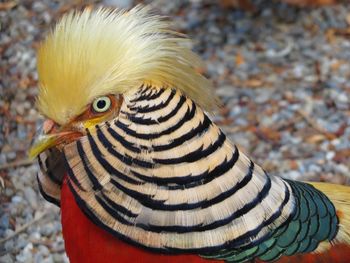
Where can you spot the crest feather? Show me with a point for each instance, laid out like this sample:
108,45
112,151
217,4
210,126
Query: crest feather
107,51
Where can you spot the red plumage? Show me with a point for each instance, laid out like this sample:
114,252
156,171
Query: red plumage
86,242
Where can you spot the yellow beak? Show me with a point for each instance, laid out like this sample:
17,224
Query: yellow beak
49,137
43,143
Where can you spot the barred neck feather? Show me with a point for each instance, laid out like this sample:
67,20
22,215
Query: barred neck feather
107,51
163,176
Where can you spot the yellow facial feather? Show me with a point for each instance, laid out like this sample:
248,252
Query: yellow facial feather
105,51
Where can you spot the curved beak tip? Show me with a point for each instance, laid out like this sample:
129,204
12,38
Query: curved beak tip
41,144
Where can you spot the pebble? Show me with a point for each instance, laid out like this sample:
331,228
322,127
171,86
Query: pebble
118,3
22,241
26,254
343,169
9,246
43,250
38,6
35,236
4,221
293,175
31,196
17,199
263,96
11,156
330,155
48,229
314,168
226,91
6,259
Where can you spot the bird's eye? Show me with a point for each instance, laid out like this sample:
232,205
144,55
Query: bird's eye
101,104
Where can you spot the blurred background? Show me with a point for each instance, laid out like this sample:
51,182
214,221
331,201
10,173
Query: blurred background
280,68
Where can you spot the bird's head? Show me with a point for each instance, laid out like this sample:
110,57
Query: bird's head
94,59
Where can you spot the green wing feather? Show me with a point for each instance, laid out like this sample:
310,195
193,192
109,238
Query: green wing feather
314,220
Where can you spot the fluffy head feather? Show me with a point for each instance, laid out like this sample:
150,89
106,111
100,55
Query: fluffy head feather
104,51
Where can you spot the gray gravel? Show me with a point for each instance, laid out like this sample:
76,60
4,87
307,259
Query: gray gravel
281,73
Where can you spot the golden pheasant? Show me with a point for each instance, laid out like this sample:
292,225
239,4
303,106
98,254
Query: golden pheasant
140,171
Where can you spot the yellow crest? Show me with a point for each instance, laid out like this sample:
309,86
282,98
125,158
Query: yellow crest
104,51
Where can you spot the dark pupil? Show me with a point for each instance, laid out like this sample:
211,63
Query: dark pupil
101,104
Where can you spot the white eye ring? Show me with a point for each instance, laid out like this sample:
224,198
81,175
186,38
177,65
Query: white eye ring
101,104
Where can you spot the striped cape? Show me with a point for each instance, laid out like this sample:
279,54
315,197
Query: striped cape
163,176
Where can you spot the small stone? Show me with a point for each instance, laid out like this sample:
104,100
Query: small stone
343,169
48,259
44,250
330,155
11,156
22,241
298,70
6,259
17,199
9,246
225,91
26,254
263,96
30,196
38,258
315,168
5,221
47,230
294,175
8,232
35,236
38,6
9,192
119,3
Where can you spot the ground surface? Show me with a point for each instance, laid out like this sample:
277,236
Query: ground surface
281,73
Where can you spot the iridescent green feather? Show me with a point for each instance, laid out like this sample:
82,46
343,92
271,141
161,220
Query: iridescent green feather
314,220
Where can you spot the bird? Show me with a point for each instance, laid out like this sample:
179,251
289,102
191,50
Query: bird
141,173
